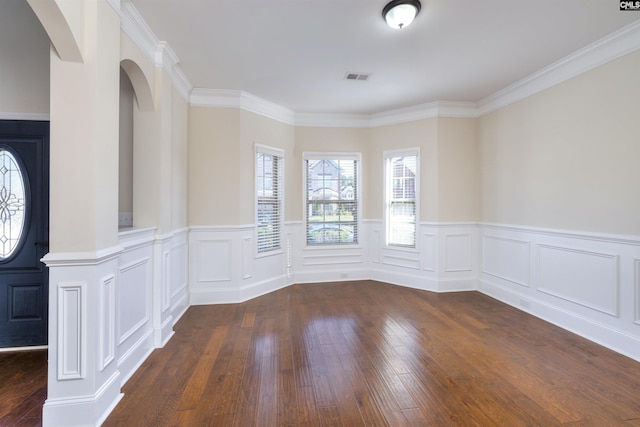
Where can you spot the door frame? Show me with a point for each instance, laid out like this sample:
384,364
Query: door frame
35,117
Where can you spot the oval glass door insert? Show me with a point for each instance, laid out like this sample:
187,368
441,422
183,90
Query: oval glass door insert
12,203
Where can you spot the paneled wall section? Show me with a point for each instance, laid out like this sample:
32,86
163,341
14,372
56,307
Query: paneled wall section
586,283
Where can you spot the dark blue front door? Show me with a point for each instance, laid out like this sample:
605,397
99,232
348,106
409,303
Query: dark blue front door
24,232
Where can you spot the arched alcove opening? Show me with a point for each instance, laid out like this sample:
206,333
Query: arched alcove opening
125,173
135,96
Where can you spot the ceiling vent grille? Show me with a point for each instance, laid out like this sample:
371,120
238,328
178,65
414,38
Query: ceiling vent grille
357,76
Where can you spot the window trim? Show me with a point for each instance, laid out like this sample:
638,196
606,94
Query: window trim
279,153
313,155
387,183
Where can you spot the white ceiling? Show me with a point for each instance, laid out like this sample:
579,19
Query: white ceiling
295,53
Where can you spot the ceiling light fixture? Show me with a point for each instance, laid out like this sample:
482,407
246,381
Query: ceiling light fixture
400,13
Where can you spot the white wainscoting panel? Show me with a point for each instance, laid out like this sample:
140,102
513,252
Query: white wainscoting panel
398,258
134,309
247,257
507,259
331,257
179,289
214,259
133,297
586,278
226,268
430,251
72,339
166,280
587,283
289,256
107,322
80,389
376,242
458,252
179,261
312,264
162,320
102,305
636,277
444,259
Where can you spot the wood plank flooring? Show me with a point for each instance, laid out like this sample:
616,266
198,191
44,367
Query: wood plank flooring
23,388
372,354
358,354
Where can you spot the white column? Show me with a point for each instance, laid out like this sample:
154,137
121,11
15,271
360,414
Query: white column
84,380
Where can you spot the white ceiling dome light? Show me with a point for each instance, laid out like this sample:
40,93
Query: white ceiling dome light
400,13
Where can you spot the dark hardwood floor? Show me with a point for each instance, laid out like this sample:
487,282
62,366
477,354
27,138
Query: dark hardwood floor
369,353
23,388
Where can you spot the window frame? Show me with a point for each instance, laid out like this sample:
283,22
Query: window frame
280,199
388,157
349,156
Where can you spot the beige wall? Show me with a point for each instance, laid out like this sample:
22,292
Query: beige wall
84,140
458,171
420,134
567,157
24,66
256,129
214,150
448,155
179,161
221,163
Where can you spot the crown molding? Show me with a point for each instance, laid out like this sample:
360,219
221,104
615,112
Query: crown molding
159,52
134,26
607,49
400,115
221,98
115,5
424,111
181,82
166,58
333,120
405,114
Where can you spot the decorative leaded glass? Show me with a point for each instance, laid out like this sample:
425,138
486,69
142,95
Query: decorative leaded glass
12,203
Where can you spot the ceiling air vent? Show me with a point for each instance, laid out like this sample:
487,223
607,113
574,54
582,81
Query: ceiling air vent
357,76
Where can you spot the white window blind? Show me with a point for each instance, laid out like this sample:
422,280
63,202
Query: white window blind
269,209
331,199
401,198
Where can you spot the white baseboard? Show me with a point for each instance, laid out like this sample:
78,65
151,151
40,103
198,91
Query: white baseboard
231,295
329,275
130,361
163,334
184,303
83,410
413,281
597,332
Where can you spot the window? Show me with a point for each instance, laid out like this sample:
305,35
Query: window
401,170
269,191
331,198
12,203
